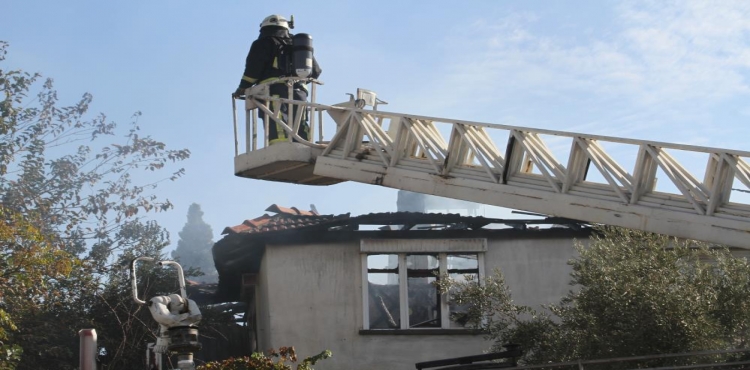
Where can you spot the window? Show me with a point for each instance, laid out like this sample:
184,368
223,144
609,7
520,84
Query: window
399,292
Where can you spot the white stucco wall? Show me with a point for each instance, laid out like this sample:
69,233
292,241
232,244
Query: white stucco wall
535,269
310,297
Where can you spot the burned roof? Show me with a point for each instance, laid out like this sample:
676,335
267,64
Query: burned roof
288,219
242,247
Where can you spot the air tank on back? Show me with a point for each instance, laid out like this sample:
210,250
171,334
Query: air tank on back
303,55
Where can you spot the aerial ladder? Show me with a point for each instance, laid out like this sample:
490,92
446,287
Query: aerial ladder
557,173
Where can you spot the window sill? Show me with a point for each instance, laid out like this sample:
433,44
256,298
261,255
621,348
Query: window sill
421,332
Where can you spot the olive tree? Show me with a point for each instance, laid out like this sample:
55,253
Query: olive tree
632,293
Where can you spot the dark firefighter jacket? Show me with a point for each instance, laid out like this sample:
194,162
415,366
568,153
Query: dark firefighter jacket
262,60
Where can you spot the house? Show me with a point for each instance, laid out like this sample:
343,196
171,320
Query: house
360,286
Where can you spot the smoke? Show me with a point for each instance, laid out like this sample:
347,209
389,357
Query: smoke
408,201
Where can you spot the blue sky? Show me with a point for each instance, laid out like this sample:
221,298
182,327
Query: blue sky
676,71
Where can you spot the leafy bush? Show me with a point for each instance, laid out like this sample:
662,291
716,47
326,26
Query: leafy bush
277,360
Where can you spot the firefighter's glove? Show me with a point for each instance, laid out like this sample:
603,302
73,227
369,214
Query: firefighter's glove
162,345
240,92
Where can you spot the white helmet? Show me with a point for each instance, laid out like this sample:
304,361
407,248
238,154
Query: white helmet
275,20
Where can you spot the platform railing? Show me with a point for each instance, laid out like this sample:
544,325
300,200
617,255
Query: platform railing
258,99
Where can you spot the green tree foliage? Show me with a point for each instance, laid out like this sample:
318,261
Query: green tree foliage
74,172
283,359
635,293
28,262
73,190
194,247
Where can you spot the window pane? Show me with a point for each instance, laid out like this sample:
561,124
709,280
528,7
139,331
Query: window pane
462,261
458,313
422,261
382,261
384,307
424,300
461,268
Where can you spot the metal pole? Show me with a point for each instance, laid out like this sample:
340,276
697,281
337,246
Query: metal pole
87,352
234,115
255,129
248,131
290,121
320,122
311,134
265,125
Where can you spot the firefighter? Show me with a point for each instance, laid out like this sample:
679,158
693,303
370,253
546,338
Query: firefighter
267,61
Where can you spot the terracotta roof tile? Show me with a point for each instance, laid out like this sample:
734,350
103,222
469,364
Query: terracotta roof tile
290,211
284,219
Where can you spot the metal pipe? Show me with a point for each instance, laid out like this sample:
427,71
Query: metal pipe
320,122
133,281
265,124
248,132
87,351
234,116
255,129
311,134
290,110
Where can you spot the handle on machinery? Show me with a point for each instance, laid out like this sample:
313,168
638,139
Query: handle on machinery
133,281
